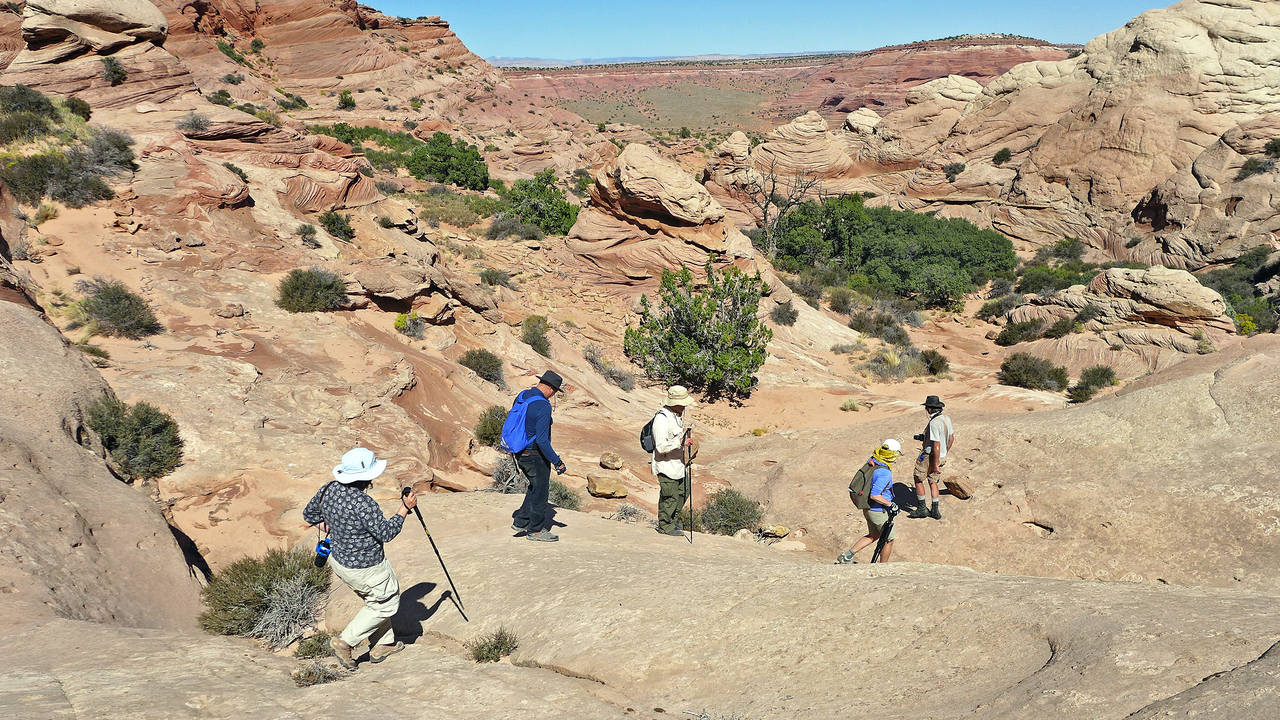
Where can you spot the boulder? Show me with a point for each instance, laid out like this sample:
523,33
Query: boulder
775,531
605,486
961,488
611,461
59,28
803,147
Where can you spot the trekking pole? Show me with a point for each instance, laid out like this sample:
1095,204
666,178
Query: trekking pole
457,599
688,483
884,536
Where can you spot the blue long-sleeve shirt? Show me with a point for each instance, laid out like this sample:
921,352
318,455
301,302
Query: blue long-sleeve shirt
537,424
356,524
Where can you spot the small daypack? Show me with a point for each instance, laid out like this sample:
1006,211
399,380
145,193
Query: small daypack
647,442
514,439
860,486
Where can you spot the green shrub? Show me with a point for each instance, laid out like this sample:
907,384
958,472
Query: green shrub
307,232
935,363
998,307
22,99
533,332
1272,148
1245,324
1043,279
1066,249
1091,380
73,176
539,202
275,597
113,72
22,127
383,220
1255,166
230,51
562,496
346,101
784,314
1060,328
387,187
953,171
895,335
314,646
1087,314
492,277
444,159
221,97
256,45
504,227
410,324
485,364
237,170
614,374
316,673
232,79
840,300
193,122
848,348
1017,332
892,252
492,647
337,225
894,364
582,182
727,511
489,426
1028,371
850,405
313,290
111,308
1002,156
707,339
142,439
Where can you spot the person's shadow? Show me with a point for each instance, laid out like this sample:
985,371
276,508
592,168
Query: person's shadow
904,494
414,611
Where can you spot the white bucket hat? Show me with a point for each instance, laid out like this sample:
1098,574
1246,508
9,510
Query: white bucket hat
678,396
358,465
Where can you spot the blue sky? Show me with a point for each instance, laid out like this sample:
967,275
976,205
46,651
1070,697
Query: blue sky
580,29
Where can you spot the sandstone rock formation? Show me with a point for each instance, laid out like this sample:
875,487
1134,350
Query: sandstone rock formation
75,542
1158,307
647,214
802,147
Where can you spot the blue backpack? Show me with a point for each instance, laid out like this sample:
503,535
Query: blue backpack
514,439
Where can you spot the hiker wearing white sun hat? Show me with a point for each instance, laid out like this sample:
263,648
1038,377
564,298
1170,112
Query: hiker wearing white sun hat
358,531
673,451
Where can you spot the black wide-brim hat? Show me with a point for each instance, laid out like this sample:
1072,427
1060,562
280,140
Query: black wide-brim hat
552,379
933,401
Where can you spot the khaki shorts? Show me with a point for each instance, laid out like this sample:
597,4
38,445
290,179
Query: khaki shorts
922,469
876,521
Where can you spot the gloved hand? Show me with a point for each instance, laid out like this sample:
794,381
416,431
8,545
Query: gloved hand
893,508
561,469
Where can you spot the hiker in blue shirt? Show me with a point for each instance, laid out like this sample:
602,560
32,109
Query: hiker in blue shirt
880,501
535,456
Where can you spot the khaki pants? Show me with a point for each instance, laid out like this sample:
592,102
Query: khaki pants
380,590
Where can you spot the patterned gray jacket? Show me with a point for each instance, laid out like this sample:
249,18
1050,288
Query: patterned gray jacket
356,524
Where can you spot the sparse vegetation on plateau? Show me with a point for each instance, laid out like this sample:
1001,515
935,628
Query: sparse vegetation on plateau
727,511
1091,380
113,72
142,439
314,646
485,364
337,225
489,427
1002,156
316,673
193,122
539,202
562,496
1028,371
275,597
312,290
493,646
410,324
109,307
784,314
533,332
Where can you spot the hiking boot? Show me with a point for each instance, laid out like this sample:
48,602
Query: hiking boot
382,652
519,529
542,536
935,513
920,512
846,558
342,651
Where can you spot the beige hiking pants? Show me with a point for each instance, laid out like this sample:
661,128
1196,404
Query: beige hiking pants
380,590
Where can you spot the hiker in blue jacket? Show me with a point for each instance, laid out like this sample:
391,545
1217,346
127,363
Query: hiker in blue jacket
536,458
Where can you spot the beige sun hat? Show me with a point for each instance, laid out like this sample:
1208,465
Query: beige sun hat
678,396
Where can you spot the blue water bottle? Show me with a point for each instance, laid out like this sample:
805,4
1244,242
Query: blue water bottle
323,548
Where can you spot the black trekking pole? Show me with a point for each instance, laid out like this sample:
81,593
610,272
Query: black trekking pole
688,484
457,599
884,535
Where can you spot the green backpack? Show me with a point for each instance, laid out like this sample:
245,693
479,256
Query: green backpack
860,486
